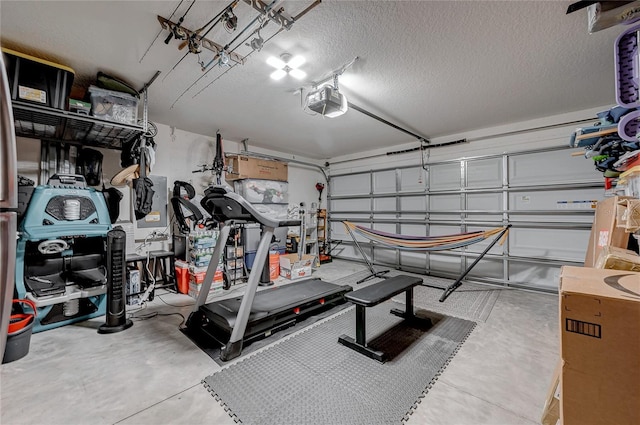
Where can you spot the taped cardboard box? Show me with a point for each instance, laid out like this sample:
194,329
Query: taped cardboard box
604,230
293,268
599,346
246,167
628,215
551,411
615,258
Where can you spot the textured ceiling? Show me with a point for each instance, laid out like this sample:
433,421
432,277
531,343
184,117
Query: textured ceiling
433,67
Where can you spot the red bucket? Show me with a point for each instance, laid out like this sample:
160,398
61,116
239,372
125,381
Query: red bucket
21,320
19,335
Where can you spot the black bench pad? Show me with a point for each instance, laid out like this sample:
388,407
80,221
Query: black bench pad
378,292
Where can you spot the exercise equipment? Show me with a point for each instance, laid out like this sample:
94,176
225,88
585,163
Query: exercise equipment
60,263
255,314
373,295
428,243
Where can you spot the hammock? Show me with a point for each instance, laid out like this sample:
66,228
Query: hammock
428,243
421,243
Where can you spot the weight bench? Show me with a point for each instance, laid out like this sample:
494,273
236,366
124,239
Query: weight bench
373,295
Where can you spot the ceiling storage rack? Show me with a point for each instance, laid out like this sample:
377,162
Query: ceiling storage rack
45,123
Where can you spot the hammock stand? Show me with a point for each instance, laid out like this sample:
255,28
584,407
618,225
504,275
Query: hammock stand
429,243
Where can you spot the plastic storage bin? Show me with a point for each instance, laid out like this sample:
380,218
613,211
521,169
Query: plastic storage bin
627,69
113,106
36,80
258,191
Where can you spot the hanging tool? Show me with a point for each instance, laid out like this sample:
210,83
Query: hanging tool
222,16
319,188
194,39
177,31
160,32
218,166
223,52
294,19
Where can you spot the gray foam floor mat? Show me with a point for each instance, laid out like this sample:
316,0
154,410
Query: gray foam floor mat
310,378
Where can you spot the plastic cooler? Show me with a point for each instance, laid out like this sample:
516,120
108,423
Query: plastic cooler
182,276
36,80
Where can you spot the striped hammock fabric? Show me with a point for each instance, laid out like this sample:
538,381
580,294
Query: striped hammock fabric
427,243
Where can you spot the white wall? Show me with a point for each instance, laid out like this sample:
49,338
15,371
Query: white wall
178,153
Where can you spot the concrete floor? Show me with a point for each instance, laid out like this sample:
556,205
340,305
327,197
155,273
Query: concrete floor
151,373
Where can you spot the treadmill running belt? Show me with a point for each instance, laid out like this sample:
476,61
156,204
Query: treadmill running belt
272,301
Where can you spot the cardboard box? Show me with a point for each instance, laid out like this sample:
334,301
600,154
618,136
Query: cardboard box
245,167
604,230
600,346
615,258
195,289
293,268
198,278
628,215
551,412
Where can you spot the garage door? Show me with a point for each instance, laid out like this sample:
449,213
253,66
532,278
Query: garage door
548,197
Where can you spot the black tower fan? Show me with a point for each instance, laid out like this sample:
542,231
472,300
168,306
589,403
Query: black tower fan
116,317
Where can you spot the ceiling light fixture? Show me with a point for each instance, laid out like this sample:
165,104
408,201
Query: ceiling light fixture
287,65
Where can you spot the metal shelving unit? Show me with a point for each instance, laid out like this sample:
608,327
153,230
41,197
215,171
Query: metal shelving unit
44,123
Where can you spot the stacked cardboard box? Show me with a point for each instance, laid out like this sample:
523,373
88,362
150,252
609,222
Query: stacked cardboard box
201,245
600,346
605,230
293,267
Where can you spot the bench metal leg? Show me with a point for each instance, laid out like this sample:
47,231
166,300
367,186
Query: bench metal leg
360,343
408,313
361,325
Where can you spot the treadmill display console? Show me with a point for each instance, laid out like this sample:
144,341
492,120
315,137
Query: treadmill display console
68,207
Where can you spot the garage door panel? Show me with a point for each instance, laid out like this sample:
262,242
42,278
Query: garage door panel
356,184
444,176
585,219
484,201
413,230
569,199
350,252
384,255
549,168
412,179
384,204
413,203
343,205
554,244
487,268
540,276
444,203
339,231
417,260
484,173
384,182
444,263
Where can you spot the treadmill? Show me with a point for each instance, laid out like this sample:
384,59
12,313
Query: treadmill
233,321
